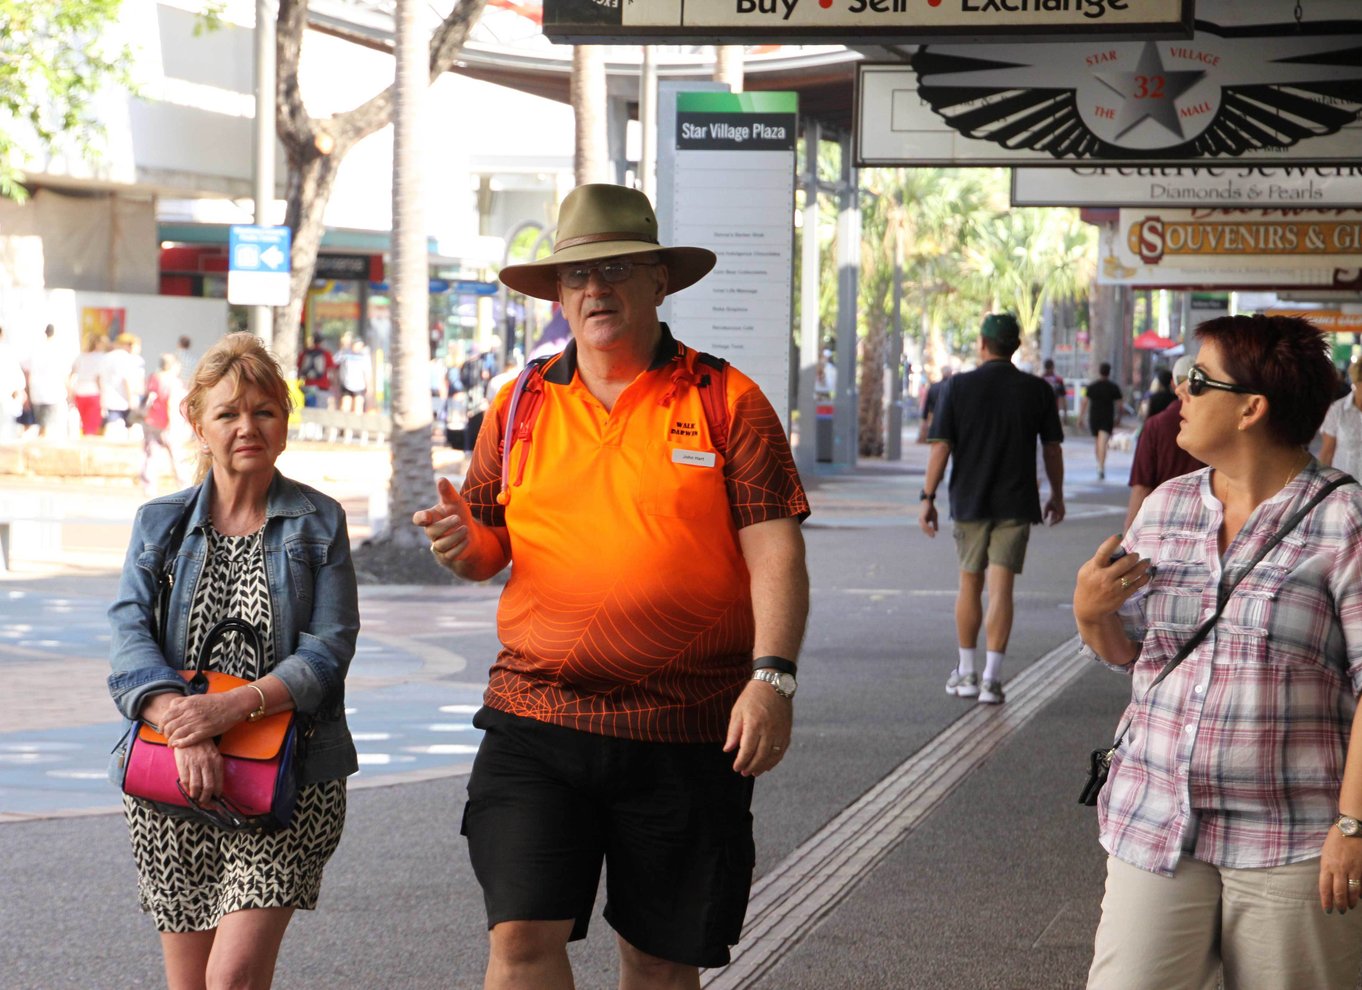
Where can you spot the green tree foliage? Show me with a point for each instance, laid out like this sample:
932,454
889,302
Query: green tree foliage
962,251
55,57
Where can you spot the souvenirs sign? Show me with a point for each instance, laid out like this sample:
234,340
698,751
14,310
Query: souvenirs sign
1226,186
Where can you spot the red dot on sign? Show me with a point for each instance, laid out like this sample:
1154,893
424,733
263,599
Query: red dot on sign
933,3
825,4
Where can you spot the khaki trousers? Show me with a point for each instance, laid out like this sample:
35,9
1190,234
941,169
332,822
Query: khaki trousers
1259,929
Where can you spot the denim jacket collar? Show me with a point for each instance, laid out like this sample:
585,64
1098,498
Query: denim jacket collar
284,499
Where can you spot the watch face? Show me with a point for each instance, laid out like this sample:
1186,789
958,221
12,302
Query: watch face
786,684
1349,826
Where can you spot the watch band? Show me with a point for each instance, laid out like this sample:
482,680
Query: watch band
926,496
775,663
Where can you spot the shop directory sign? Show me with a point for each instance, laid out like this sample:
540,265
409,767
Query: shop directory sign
726,182
258,265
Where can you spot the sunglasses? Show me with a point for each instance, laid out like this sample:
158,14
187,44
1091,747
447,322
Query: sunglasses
1197,383
613,272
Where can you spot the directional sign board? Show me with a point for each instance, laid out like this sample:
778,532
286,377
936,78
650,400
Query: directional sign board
258,265
857,21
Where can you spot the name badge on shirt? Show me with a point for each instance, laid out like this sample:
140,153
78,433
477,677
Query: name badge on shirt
696,458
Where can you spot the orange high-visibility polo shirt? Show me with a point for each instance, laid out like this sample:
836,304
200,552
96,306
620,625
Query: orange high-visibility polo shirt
628,611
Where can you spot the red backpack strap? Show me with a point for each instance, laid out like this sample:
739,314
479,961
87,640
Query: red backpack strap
527,395
712,382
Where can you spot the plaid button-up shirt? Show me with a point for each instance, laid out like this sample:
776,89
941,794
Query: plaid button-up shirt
1245,741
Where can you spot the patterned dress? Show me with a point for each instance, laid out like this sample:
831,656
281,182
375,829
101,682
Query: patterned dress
191,874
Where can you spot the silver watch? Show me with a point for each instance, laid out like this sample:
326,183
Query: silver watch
785,684
1349,826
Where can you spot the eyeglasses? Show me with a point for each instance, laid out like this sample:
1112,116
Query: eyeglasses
1197,383
613,272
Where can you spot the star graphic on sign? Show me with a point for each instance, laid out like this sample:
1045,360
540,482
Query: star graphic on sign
1149,91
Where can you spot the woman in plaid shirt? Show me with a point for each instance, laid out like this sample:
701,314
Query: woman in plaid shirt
1230,814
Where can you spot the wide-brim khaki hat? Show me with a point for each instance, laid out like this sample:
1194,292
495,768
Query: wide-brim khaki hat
600,220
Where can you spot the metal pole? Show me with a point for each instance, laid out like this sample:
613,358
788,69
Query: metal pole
261,318
647,122
893,429
846,432
806,453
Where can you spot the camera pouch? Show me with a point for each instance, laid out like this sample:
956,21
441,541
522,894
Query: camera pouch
1099,765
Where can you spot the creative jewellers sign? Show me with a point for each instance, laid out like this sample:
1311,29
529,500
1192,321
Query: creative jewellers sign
1228,186
850,21
1261,93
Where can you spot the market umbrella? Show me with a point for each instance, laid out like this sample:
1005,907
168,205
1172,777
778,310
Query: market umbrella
1151,341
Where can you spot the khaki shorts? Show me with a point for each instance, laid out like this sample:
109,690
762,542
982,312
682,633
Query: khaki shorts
992,541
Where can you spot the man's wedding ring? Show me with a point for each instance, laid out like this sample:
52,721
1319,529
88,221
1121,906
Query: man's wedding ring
1353,882
1125,581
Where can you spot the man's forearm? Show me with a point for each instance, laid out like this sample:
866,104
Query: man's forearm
774,554
1053,456
937,459
487,553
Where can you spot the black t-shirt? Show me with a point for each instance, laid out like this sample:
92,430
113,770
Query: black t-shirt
991,417
1103,394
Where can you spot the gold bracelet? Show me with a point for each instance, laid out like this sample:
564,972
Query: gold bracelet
259,713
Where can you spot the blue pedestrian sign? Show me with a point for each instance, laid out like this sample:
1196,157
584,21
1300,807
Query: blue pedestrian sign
258,265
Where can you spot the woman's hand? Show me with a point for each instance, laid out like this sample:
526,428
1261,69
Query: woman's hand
1340,861
196,718
1104,584
200,769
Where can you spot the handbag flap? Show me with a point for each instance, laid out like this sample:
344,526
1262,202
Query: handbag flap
260,740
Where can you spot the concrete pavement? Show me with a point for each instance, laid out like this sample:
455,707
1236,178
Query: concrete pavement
935,843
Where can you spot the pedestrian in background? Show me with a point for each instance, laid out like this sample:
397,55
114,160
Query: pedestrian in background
316,367
1231,812
165,391
84,384
930,401
12,391
988,422
1161,394
1061,390
1101,409
223,899
1341,445
120,383
1158,457
46,370
649,642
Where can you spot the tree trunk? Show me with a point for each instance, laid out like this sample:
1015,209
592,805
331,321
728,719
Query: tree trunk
590,158
315,148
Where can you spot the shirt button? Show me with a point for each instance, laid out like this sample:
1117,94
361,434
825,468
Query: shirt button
1189,729
1200,689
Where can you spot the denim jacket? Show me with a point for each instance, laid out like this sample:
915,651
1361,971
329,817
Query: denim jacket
314,608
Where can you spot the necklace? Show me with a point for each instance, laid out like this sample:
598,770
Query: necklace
1297,469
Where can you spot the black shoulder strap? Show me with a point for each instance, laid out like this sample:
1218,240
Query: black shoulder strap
713,385
168,572
1224,592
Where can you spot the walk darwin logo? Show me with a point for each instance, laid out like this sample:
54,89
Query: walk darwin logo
1222,93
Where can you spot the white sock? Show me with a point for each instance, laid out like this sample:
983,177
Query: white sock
966,665
993,666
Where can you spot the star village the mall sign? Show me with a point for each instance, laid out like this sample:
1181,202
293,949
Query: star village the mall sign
1258,91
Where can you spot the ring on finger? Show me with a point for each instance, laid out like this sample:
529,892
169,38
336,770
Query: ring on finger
1353,882
1125,583
434,550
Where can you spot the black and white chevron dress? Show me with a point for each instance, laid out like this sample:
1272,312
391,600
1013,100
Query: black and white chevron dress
191,874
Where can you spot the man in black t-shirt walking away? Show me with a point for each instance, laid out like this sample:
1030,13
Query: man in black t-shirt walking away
988,420
1102,407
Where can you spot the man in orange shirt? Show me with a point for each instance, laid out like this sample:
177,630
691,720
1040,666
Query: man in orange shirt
650,626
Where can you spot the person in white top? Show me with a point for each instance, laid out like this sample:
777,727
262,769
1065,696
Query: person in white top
84,384
1341,446
46,369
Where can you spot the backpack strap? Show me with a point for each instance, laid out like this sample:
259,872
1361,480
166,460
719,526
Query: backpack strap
712,382
527,395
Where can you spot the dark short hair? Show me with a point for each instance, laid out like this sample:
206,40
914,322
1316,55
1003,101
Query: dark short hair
1104,369
1049,364
1284,358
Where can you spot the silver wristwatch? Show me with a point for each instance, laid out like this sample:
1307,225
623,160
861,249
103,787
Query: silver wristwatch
1349,826
785,684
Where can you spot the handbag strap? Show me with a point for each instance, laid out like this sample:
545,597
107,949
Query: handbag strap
221,628
1224,591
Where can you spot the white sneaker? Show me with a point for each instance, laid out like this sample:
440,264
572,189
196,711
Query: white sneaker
962,685
992,693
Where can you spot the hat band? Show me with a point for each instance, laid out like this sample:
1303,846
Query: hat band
624,235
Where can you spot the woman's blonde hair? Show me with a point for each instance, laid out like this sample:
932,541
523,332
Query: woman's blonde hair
242,359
